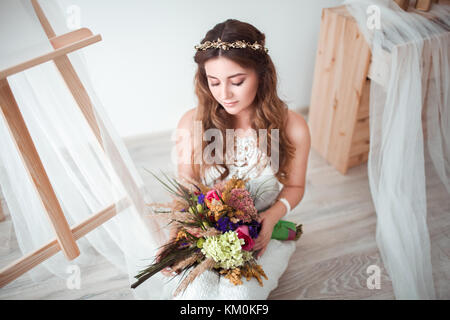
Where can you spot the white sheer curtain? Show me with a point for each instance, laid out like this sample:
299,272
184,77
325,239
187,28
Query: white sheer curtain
86,178
409,167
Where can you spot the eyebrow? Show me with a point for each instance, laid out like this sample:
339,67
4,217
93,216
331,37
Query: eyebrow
234,75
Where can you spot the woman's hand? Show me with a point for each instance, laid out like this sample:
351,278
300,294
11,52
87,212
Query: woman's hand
167,271
268,223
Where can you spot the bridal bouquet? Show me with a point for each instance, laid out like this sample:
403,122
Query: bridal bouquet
217,228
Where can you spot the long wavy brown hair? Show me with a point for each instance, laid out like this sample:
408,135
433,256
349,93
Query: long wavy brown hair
271,112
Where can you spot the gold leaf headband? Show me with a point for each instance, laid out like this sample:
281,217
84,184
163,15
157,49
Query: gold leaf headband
227,45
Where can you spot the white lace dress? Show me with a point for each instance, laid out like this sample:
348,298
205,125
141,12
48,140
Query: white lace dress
276,257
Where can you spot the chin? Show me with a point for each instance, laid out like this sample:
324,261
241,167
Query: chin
232,110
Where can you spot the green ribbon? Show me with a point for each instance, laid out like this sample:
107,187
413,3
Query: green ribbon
281,230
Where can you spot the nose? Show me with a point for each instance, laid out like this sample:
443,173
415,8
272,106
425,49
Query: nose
226,92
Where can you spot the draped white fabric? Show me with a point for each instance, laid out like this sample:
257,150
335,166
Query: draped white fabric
87,176
409,168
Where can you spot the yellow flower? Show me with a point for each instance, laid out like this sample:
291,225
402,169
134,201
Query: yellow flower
180,235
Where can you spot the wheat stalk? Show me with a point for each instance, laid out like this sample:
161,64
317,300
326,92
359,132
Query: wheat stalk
198,270
181,265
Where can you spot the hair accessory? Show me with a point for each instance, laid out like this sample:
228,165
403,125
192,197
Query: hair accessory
227,45
287,205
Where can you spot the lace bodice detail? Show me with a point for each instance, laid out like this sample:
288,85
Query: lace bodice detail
250,162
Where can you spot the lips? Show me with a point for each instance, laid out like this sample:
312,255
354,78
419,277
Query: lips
229,104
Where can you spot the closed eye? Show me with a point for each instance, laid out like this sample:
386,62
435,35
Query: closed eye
234,84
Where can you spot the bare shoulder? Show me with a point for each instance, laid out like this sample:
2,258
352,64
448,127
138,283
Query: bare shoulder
297,129
187,120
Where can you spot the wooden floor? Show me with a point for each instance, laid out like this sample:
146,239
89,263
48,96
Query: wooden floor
331,260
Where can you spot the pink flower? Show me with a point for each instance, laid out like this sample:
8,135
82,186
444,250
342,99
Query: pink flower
213,194
243,233
241,200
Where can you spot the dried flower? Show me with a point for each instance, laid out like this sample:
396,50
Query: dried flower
226,250
250,270
241,200
234,275
181,235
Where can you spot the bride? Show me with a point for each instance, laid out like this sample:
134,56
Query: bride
236,85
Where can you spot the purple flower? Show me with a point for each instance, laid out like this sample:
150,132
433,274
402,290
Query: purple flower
254,228
184,244
201,198
224,224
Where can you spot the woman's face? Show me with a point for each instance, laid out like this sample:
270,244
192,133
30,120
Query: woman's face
229,82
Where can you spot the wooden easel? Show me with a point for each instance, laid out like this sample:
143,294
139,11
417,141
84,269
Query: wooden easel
66,235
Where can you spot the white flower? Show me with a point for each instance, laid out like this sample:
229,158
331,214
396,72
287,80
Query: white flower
226,250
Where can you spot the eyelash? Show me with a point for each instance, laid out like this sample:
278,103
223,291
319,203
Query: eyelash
235,84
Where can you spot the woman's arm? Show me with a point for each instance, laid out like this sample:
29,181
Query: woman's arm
298,133
184,144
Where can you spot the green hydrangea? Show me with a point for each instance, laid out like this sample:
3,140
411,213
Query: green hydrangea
226,250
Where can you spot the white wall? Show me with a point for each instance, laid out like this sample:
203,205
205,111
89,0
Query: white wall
143,70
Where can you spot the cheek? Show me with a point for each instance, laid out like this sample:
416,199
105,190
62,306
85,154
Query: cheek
250,91
215,92
246,90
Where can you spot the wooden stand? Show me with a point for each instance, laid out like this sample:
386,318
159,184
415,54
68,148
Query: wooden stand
344,69
10,111
339,109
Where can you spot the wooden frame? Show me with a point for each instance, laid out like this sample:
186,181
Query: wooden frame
65,235
18,130
62,50
31,260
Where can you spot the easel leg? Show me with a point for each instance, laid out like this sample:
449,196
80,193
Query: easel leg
19,131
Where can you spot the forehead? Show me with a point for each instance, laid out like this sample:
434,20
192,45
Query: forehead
221,67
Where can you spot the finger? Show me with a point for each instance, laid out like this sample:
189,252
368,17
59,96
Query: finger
261,252
167,271
170,274
263,244
259,245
